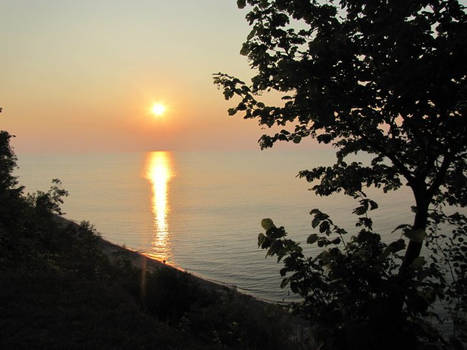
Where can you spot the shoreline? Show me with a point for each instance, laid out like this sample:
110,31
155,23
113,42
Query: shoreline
302,330
87,288
144,262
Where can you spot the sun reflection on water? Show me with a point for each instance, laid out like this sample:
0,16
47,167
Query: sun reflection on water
159,173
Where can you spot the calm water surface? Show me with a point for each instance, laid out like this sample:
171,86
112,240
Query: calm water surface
201,211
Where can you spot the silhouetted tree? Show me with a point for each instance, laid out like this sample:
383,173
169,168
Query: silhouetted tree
7,162
387,78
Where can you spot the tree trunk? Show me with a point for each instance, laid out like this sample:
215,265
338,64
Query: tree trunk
413,250
420,223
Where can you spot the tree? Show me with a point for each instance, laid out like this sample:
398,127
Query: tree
7,163
386,78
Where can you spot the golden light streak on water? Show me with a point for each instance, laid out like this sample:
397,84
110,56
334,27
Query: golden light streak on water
158,173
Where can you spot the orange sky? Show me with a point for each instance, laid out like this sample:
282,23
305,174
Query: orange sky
82,75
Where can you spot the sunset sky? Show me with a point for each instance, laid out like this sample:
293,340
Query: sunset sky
82,76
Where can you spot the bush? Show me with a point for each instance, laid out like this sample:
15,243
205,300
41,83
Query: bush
355,292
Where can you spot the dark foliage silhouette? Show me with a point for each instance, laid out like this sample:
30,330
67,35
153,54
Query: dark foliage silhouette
386,79
60,290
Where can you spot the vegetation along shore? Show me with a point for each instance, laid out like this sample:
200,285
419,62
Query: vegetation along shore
63,286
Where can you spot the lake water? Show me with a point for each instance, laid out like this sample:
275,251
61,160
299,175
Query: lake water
201,211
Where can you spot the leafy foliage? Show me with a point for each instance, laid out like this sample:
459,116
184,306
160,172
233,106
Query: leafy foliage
352,290
387,79
448,251
7,163
60,290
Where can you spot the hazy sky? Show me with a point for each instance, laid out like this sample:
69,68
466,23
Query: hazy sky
82,75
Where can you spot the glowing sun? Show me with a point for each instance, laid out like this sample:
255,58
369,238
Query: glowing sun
158,109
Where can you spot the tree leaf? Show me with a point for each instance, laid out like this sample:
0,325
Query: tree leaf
267,224
360,210
312,238
245,49
315,222
241,4
324,227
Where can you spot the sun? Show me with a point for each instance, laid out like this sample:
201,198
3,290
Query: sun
158,109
